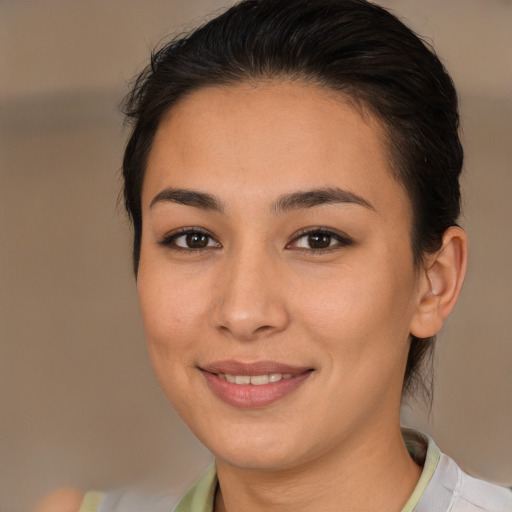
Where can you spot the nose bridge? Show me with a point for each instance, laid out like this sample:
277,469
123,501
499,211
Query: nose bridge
249,302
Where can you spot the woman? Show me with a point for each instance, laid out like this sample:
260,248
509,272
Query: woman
292,178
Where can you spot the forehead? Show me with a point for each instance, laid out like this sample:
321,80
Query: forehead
267,138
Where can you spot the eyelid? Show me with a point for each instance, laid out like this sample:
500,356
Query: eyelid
343,239
169,238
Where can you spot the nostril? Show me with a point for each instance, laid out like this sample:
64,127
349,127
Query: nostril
263,328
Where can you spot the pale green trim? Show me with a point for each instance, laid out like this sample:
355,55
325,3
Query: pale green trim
200,497
431,462
91,502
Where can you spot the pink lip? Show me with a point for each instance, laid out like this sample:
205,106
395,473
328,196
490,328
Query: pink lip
233,367
251,396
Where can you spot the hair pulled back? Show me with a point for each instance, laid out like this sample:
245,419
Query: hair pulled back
350,46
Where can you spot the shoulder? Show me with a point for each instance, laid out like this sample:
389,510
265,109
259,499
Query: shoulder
475,494
61,500
445,487
458,491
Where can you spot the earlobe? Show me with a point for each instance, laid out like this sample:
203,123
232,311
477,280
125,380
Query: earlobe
440,284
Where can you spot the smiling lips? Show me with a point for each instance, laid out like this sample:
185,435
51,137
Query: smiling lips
253,385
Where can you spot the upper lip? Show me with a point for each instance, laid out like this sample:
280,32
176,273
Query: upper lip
233,367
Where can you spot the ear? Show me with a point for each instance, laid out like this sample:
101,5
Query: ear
440,282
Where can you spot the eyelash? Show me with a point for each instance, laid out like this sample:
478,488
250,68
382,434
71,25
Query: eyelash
342,240
169,240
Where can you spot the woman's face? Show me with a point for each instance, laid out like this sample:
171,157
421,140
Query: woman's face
276,250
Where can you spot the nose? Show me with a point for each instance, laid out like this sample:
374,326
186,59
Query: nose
251,297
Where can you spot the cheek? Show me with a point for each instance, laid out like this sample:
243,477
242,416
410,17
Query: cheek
170,316
172,311
360,325
363,311
347,302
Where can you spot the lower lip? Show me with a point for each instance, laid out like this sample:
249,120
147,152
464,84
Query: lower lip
248,396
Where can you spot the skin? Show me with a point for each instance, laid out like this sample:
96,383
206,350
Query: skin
259,291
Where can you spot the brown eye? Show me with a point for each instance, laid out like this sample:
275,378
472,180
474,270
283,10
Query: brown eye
189,239
319,240
196,240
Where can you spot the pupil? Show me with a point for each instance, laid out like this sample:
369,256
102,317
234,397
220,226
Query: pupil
197,240
319,241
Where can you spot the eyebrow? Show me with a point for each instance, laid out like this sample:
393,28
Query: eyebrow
287,202
318,197
188,198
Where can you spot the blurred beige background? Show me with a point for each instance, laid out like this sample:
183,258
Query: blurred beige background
78,404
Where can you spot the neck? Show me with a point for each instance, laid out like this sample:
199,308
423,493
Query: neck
369,472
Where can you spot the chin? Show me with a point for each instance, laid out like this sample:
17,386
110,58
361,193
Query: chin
273,451
257,460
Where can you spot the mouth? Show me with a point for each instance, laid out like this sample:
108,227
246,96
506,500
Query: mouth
253,385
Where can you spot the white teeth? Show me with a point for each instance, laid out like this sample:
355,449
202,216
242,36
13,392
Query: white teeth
255,380
258,380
